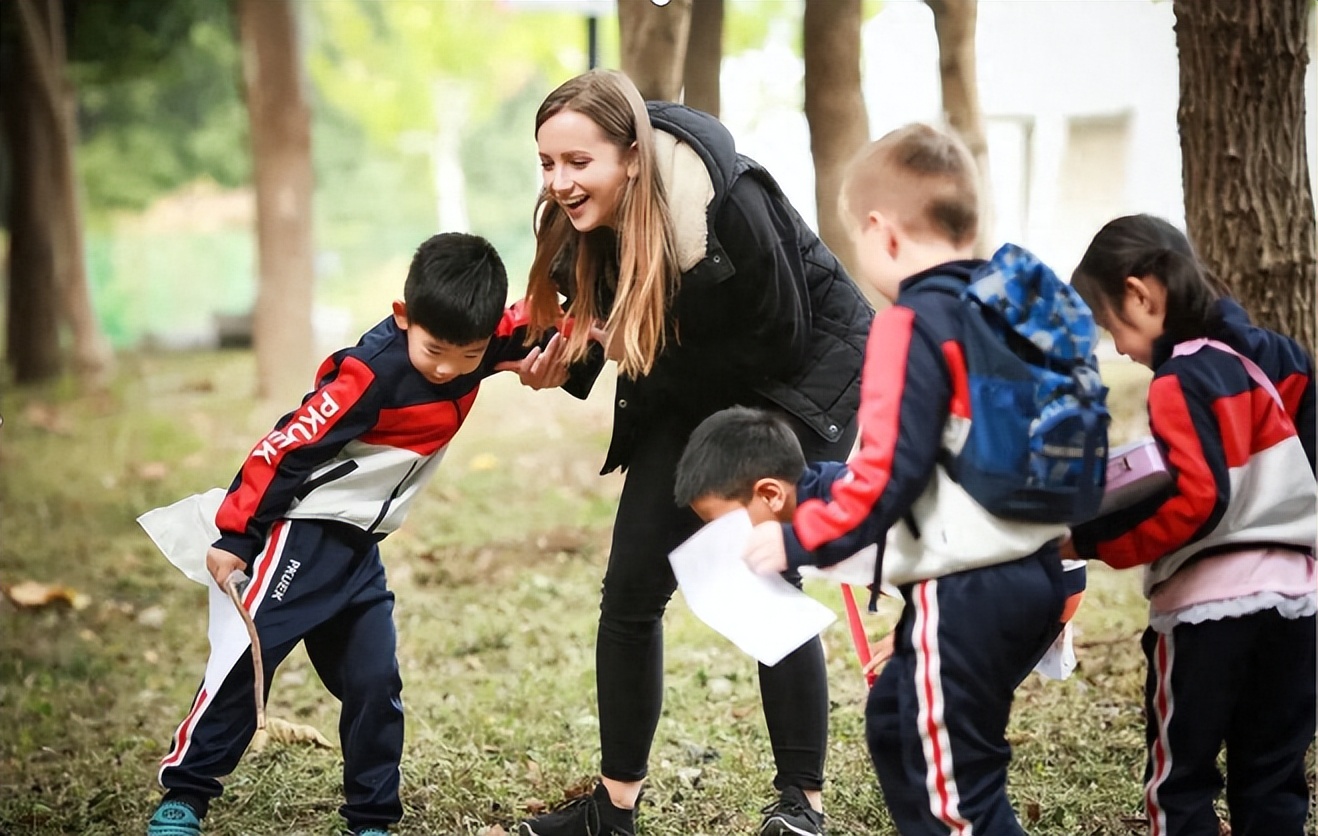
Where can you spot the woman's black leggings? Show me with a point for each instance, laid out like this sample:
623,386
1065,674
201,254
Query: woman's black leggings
629,652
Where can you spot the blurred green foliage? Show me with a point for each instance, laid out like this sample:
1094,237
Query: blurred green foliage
159,103
398,89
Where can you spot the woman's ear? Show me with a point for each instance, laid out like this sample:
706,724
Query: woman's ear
633,154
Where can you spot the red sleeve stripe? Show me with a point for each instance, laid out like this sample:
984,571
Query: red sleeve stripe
307,426
1179,518
882,385
956,366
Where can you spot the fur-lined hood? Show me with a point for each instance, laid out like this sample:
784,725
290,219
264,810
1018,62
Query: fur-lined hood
697,160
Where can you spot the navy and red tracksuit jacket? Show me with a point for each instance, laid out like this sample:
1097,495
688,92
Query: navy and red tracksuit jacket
1237,484
363,442
914,401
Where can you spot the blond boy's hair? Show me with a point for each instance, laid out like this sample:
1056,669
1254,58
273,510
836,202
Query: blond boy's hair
920,177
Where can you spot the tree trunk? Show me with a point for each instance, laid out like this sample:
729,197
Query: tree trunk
32,297
834,108
1248,203
281,166
704,56
954,24
653,42
51,111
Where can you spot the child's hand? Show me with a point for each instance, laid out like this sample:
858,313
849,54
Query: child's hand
612,347
540,369
221,563
765,552
880,653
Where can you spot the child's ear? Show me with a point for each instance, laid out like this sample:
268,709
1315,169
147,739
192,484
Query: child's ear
773,492
889,238
400,314
1147,294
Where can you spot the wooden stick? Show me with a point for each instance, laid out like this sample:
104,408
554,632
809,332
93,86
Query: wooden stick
258,669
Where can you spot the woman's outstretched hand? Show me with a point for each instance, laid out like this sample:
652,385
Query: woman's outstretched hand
540,369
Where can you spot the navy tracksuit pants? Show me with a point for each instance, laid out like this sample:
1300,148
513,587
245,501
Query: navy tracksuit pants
1247,682
322,584
936,719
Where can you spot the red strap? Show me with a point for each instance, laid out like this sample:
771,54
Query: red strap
858,638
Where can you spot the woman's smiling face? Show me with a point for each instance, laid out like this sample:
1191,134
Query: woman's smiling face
583,172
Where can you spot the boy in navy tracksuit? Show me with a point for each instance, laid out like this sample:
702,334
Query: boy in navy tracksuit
305,513
983,595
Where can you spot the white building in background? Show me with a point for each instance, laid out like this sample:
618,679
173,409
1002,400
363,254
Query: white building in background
1079,99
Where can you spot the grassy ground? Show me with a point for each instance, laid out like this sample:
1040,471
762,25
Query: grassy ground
497,576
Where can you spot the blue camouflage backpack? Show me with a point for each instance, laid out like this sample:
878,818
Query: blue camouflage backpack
1036,445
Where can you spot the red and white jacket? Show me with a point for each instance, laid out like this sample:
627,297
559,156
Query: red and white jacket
363,442
1243,465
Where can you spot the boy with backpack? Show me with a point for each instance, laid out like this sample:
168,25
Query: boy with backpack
975,458
307,510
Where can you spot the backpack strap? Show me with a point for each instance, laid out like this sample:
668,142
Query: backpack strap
1257,374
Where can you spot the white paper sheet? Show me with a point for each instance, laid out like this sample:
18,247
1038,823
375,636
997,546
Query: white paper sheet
184,531
1059,660
764,616
857,570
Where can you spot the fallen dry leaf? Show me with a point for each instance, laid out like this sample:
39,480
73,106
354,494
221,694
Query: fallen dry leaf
282,731
32,595
46,417
152,471
483,461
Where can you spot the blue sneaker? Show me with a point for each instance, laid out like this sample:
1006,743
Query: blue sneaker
371,831
174,818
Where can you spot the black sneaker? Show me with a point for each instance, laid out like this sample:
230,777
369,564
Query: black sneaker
582,817
791,815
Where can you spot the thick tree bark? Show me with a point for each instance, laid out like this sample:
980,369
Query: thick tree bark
653,43
55,229
834,108
704,56
32,298
954,24
281,165
1248,199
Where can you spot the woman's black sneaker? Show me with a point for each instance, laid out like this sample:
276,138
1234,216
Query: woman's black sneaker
589,815
791,815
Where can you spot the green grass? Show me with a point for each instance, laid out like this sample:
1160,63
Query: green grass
497,574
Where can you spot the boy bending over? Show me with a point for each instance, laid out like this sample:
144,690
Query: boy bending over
306,511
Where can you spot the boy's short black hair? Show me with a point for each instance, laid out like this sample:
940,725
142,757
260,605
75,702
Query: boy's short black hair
734,448
456,288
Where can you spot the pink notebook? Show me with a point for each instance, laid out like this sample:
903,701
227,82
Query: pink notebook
1135,471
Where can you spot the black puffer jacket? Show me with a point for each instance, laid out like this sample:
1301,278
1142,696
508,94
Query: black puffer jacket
767,317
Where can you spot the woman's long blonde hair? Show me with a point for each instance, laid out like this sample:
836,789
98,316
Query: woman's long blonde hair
645,248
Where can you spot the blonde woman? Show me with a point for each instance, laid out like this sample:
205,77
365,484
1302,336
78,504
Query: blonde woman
708,291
